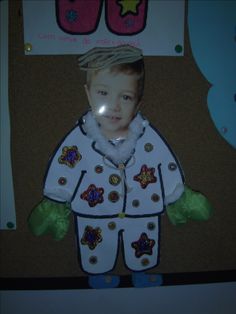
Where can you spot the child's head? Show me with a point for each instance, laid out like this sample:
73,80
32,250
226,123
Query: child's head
114,87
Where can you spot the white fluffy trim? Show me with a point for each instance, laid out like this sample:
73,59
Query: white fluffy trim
122,151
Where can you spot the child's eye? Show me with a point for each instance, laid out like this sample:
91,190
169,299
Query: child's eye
127,98
102,92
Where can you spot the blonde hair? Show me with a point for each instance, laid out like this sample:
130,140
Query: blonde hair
125,59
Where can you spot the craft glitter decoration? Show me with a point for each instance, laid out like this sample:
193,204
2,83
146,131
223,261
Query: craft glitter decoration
91,237
70,156
129,23
93,195
71,16
146,176
143,246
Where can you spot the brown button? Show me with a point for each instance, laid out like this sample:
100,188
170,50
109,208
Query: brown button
155,197
135,203
148,147
93,260
114,179
172,166
98,169
62,181
151,226
112,225
113,196
145,261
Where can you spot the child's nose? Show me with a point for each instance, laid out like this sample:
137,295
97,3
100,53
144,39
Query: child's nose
115,104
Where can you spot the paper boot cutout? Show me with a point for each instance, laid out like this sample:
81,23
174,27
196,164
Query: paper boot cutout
126,17
78,17
81,17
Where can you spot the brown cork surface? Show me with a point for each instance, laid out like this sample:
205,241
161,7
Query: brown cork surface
46,98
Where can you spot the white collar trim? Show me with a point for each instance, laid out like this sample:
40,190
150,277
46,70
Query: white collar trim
122,151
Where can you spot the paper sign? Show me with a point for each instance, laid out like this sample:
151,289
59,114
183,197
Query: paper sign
74,27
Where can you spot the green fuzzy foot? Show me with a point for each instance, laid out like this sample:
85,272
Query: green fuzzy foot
50,218
190,206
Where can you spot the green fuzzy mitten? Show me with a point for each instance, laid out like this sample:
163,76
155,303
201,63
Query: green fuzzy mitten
190,206
50,218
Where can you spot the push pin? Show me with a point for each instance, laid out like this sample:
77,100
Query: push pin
28,47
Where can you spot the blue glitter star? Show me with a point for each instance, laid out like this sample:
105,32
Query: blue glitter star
129,23
70,156
91,237
143,245
71,16
93,195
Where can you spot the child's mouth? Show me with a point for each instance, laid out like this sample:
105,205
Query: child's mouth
112,118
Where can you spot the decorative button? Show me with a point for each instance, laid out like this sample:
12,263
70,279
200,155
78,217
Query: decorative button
151,226
112,225
62,181
121,215
93,260
121,166
135,203
114,179
113,196
172,166
145,262
98,169
155,197
148,147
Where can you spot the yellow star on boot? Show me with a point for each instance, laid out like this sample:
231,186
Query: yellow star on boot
129,6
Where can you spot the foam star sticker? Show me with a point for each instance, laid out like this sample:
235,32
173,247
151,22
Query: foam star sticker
145,176
129,6
93,195
91,237
143,246
70,156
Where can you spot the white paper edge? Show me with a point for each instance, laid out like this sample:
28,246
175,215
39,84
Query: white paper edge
7,202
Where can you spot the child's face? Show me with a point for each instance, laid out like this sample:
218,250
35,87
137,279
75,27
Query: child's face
113,98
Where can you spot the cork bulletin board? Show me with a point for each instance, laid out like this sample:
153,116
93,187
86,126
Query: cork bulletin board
46,97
